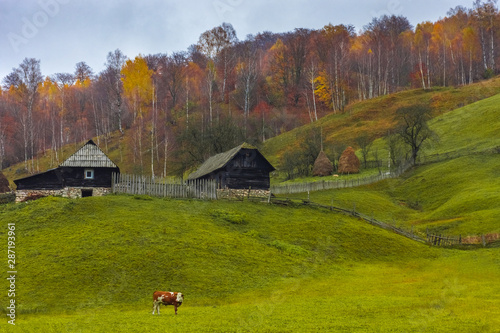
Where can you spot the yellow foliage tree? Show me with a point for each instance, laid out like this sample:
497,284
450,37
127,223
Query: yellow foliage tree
137,84
138,90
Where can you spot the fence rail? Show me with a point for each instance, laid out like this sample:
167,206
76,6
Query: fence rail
159,187
484,240
400,231
344,183
338,183
440,240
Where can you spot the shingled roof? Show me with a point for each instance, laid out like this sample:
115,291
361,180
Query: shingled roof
89,156
219,161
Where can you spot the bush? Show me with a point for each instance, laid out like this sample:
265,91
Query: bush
7,198
488,74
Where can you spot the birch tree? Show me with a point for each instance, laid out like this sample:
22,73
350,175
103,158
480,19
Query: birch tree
485,13
24,81
115,62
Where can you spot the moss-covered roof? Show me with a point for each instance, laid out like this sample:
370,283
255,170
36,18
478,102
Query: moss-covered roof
219,161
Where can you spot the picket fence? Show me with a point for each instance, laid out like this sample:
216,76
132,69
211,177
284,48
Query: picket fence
160,187
337,183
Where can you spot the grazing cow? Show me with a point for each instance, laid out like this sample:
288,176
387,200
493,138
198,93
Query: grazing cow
166,298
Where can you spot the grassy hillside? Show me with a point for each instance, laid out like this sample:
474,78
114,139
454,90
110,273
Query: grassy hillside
91,265
458,195
473,128
208,250
375,117
454,197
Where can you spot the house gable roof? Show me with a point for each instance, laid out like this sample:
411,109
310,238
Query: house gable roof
219,161
89,156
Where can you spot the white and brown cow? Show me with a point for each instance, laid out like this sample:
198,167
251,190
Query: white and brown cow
167,298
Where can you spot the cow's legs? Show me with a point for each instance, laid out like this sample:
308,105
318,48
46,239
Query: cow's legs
175,306
156,305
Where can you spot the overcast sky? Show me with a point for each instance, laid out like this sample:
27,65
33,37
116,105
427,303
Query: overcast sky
62,33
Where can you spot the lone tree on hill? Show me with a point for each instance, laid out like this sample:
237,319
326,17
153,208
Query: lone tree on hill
413,128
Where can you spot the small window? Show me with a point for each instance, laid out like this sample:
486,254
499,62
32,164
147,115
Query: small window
89,173
86,193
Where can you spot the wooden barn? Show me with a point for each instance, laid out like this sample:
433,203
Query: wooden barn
88,172
242,167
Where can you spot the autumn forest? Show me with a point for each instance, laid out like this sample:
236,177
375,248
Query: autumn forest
172,111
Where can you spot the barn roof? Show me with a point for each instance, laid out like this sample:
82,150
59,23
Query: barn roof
89,156
220,160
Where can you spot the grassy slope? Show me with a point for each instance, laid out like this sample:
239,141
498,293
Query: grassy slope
457,196
92,264
190,246
375,117
473,128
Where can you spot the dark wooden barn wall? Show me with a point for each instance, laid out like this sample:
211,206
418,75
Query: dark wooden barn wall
75,177
50,180
246,178
246,170
67,177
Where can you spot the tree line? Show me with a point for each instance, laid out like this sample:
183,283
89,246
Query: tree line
177,109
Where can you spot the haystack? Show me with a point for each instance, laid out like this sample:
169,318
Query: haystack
4,183
349,162
322,166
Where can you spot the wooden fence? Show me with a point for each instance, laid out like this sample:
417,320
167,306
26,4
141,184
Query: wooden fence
354,213
337,183
346,183
159,187
439,240
484,240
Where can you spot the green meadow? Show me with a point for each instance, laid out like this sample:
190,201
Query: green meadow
91,265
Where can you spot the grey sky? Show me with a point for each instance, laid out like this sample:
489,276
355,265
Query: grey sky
62,33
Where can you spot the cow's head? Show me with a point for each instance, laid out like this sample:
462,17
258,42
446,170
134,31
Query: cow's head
180,298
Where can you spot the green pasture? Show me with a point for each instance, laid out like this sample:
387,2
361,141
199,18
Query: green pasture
456,197
91,265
